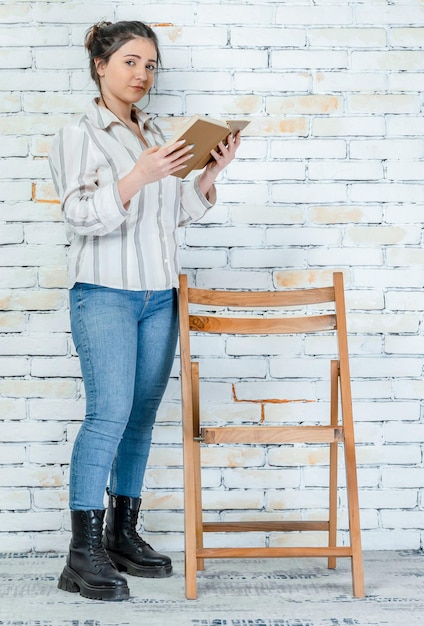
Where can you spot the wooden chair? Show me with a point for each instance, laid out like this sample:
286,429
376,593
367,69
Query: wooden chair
337,431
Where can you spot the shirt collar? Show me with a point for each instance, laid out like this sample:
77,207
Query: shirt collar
102,118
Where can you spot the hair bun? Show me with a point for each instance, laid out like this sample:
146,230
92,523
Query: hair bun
93,32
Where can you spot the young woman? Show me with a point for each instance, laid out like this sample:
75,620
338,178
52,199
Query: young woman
122,209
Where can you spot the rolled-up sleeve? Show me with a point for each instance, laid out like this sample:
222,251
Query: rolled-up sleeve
89,209
193,203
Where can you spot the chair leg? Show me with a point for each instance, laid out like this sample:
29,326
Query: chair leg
189,500
197,463
352,499
189,522
334,419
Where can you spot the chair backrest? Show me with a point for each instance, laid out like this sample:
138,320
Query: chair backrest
301,316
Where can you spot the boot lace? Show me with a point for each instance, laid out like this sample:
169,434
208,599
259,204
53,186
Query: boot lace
132,533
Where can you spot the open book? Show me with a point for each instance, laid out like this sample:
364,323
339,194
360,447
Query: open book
205,133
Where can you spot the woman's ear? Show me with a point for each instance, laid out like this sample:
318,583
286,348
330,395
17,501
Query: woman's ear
100,64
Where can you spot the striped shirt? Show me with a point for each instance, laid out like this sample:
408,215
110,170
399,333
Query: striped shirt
135,249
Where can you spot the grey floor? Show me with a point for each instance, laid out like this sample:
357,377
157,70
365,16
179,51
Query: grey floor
271,592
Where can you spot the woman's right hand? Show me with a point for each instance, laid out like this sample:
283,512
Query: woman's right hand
154,164
157,162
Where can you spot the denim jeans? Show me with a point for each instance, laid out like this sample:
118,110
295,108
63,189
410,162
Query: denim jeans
126,345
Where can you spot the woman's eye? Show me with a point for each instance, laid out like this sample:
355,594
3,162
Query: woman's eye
130,62
151,68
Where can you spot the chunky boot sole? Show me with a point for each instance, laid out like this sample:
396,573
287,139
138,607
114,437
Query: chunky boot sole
71,581
145,571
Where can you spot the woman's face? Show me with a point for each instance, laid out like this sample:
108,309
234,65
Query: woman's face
130,71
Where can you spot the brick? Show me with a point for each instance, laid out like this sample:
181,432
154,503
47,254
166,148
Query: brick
13,146
278,171
234,13
50,499
12,191
261,479
70,14
183,81
10,454
345,170
14,499
31,477
403,170
26,168
54,103
10,103
49,367
345,214
256,214
34,36
218,105
380,235
389,323
38,388
402,81
29,521
192,35
264,258
14,13
303,105
154,12
388,14
308,59
302,236
19,58
12,366
410,214
347,37
406,37
388,60
203,259
49,322
384,104
224,236
313,15
229,58
348,126
33,80
308,149
387,192
309,192
31,212
231,368
255,36
49,454
325,82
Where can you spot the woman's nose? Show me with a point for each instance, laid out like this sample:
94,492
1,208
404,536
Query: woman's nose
141,73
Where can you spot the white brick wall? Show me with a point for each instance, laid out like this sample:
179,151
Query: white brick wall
329,176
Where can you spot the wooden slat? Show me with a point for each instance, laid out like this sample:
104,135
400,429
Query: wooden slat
264,299
272,434
276,526
265,553
262,326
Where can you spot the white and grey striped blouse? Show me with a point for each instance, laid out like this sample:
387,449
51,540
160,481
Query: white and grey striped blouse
134,249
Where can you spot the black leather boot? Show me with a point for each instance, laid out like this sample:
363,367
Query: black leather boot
88,568
126,548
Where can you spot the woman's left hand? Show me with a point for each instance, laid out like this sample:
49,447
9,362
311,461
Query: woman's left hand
226,154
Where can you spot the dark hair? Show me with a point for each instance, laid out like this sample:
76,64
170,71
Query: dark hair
105,38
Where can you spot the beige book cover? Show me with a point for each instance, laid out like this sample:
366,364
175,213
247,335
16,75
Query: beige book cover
204,133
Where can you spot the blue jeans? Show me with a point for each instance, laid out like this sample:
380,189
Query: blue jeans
126,345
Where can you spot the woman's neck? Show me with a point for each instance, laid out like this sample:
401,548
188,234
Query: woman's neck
123,113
